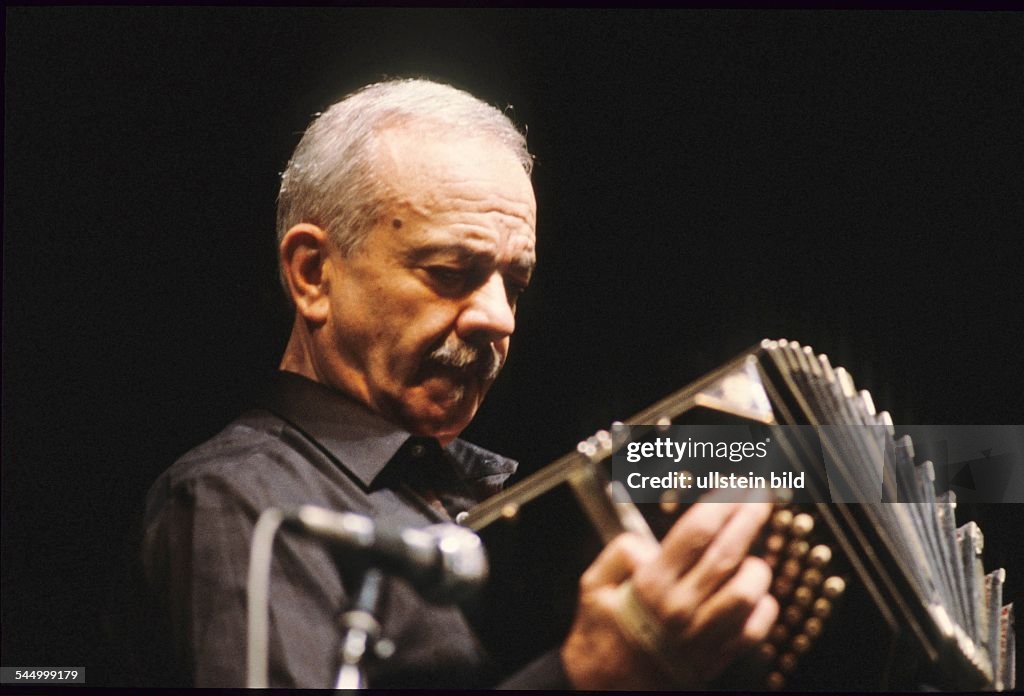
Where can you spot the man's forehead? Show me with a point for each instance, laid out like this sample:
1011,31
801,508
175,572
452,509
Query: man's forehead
459,196
426,166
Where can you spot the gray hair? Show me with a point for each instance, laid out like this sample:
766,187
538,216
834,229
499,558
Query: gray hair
331,180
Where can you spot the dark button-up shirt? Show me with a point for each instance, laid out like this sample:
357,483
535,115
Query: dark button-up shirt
307,444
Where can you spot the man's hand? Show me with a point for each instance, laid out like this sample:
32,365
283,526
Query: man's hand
709,598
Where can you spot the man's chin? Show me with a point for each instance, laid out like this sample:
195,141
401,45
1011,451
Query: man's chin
442,413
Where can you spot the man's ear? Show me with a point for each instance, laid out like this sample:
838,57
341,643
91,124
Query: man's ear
304,253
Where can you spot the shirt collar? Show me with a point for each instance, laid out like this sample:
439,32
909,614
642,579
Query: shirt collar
362,440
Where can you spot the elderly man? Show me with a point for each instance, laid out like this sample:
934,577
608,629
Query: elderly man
406,227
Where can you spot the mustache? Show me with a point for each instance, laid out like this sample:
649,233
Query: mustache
485,362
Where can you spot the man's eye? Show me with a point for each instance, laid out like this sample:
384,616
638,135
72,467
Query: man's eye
514,291
447,276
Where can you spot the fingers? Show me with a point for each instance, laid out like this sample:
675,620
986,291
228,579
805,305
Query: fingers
699,599
760,623
725,613
723,556
596,654
700,553
755,629
618,561
731,620
694,531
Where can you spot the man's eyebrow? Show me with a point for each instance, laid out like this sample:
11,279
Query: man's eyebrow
524,262
461,252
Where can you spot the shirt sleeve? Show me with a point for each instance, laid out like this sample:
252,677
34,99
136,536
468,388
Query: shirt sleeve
196,550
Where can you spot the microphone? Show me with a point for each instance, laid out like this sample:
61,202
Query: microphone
446,563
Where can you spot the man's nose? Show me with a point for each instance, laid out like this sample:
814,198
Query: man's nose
488,313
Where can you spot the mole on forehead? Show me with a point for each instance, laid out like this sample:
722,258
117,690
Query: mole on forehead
499,214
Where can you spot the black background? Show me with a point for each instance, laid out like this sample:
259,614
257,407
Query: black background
852,180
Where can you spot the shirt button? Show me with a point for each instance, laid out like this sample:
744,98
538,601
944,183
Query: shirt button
418,451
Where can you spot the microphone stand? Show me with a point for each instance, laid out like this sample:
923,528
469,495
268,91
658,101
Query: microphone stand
362,632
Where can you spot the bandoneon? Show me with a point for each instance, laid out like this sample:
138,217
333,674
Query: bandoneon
878,587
